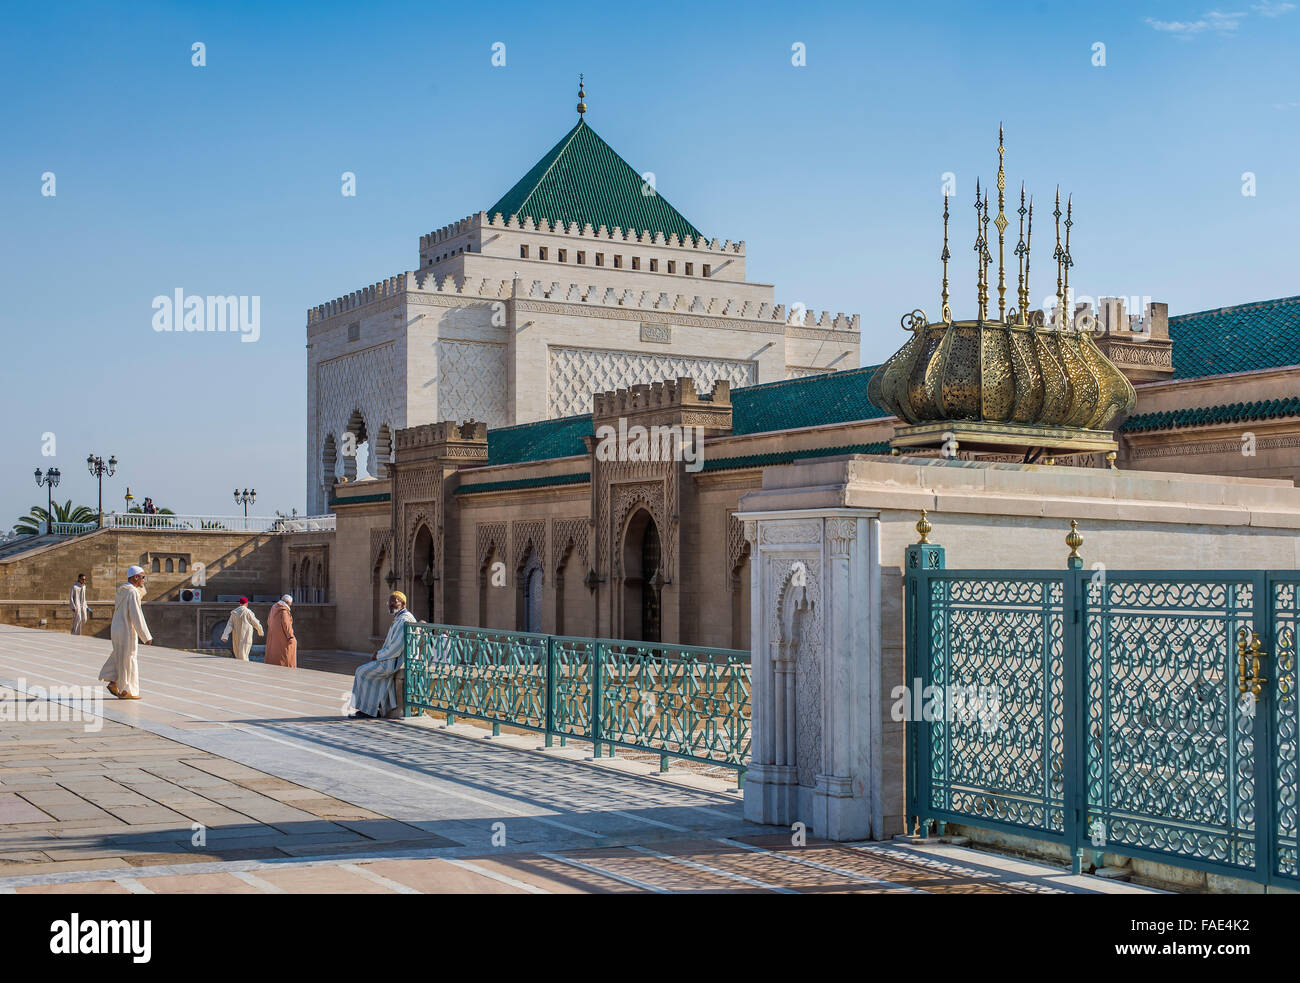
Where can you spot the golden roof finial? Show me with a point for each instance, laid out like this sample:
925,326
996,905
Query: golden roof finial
1029,249
1066,261
1059,256
582,106
979,252
1001,223
924,528
985,259
1022,289
945,256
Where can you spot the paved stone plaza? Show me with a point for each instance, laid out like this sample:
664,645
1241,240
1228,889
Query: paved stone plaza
289,796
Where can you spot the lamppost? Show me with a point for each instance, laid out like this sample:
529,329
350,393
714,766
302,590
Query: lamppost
50,480
243,498
98,468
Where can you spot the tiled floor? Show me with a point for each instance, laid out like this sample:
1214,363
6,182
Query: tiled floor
241,777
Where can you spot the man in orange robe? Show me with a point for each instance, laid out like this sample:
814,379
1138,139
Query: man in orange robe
281,645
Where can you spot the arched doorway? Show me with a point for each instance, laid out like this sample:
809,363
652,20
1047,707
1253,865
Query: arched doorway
424,576
530,583
642,579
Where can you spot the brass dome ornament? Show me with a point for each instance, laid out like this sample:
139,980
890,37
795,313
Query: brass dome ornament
1017,383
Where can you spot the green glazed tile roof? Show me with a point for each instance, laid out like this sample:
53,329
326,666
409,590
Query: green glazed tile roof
816,400
836,397
546,481
1244,338
785,457
1208,415
538,441
583,180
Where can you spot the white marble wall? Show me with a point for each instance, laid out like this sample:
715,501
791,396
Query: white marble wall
816,669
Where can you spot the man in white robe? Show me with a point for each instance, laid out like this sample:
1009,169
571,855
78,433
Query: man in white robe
243,622
121,671
77,602
374,688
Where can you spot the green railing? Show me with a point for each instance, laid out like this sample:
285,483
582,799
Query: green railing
1149,714
676,701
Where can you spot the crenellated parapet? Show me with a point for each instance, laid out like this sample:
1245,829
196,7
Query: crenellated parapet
481,221
491,289
447,441
672,402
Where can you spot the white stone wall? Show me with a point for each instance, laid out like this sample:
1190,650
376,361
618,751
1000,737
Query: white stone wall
573,374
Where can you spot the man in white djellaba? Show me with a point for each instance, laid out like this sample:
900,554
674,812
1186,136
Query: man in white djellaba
77,603
121,671
243,622
374,688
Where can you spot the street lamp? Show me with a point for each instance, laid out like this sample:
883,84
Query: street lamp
98,468
244,497
50,480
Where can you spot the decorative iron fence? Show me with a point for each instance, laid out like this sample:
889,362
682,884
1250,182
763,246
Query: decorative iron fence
677,701
1148,713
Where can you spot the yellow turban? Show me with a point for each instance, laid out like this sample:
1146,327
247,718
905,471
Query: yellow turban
399,595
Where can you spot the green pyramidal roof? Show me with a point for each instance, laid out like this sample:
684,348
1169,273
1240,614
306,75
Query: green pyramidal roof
583,180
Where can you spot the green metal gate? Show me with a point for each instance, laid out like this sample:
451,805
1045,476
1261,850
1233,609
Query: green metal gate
1147,713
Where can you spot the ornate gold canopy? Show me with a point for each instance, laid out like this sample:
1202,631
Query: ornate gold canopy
1017,382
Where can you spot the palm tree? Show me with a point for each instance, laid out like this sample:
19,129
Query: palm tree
30,524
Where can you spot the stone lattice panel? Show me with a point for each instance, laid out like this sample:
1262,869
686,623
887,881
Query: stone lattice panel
575,373
367,381
472,382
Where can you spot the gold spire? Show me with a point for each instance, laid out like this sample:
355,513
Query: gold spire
1066,261
582,106
985,259
979,253
944,313
1059,256
1029,248
1001,223
1022,290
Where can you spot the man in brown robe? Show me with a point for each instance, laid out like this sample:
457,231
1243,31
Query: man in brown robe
281,645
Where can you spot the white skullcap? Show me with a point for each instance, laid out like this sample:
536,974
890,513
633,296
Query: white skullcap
288,598
133,571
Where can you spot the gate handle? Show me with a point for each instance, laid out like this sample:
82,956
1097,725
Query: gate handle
1256,654
1248,677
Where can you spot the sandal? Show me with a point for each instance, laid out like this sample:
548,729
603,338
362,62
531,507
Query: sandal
112,688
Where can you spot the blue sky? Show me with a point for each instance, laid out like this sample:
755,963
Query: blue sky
225,179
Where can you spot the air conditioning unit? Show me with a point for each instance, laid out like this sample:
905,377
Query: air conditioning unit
191,595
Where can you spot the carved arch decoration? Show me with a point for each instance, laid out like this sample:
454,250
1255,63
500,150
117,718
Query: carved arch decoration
737,550
569,534
491,537
625,500
381,544
797,627
528,535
